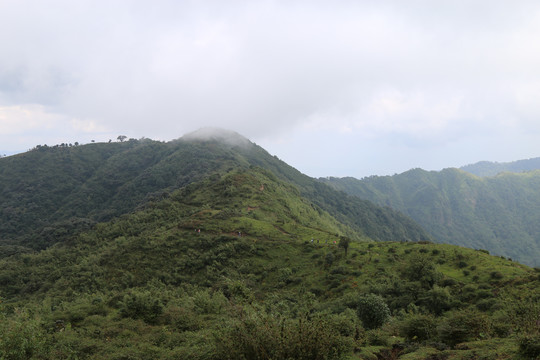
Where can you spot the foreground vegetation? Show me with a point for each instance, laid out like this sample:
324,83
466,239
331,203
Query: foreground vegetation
241,266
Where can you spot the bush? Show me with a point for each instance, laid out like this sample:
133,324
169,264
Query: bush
21,337
421,268
141,305
418,328
448,282
529,346
372,311
437,300
259,335
462,326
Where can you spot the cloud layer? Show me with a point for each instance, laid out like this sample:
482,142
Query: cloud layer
413,77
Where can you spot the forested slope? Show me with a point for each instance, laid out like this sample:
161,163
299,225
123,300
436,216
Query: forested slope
500,213
50,194
224,268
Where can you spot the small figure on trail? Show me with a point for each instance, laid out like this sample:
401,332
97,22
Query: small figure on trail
240,233
312,240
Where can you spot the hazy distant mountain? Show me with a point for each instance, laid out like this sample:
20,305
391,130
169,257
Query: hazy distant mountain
500,213
488,168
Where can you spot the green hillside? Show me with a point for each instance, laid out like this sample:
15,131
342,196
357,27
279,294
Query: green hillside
50,194
500,213
251,284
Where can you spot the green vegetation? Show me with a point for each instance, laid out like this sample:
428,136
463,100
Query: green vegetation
251,284
50,194
499,214
241,261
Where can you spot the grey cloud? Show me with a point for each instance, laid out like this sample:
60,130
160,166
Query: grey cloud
270,68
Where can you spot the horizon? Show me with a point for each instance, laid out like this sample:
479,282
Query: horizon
5,154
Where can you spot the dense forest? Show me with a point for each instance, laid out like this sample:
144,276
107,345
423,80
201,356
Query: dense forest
497,213
241,258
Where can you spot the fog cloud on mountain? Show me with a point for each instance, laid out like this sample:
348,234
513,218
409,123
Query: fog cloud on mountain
347,88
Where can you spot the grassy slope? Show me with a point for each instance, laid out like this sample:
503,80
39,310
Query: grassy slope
148,285
498,213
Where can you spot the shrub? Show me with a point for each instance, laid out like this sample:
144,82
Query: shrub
421,268
21,337
141,305
265,336
486,304
461,326
437,300
529,346
329,259
448,282
372,311
418,328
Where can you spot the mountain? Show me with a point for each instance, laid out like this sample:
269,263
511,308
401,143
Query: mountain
225,268
488,168
500,214
50,194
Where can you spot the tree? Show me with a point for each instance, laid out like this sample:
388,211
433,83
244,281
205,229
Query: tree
121,138
344,243
422,269
372,311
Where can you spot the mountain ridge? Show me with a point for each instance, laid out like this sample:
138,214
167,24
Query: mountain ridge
492,168
497,213
50,193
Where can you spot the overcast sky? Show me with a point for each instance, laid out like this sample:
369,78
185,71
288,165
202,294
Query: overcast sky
334,88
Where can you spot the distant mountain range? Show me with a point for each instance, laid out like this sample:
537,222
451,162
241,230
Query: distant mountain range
498,213
488,168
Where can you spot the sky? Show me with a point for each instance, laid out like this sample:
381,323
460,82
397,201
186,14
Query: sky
334,88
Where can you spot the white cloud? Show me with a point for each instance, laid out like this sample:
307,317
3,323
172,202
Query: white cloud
18,119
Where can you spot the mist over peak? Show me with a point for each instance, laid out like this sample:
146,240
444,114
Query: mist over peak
228,137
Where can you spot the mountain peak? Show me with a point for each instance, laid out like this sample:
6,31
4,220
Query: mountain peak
228,137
